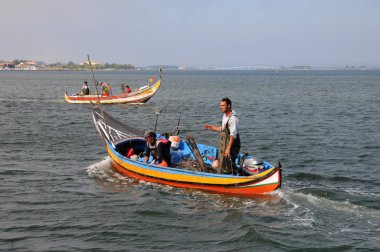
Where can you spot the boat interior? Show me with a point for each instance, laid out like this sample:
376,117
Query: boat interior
183,157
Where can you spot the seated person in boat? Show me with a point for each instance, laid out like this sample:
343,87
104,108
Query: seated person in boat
159,149
230,128
106,89
128,90
85,89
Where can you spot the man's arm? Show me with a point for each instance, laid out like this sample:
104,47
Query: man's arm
146,154
212,127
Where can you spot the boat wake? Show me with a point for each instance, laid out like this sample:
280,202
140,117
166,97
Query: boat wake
102,170
306,201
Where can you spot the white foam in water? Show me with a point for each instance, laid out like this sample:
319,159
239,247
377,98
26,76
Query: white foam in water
346,206
103,170
357,192
301,215
100,169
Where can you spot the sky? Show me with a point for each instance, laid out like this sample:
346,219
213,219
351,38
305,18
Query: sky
193,33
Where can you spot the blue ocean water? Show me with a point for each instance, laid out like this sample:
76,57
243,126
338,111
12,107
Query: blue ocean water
59,193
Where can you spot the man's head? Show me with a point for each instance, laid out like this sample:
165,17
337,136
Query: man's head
85,83
149,136
225,105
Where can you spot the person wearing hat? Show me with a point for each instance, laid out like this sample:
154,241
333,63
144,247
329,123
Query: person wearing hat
159,149
85,89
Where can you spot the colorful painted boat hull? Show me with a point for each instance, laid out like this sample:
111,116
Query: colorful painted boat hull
141,96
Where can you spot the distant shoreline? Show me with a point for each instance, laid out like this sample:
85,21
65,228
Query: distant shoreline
192,69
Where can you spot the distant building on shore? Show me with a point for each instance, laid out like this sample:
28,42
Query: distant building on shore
28,65
92,63
7,65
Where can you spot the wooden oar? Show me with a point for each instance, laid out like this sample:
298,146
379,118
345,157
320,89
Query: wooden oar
194,149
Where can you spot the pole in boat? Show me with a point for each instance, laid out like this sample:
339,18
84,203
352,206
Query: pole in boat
176,129
93,77
157,114
98,96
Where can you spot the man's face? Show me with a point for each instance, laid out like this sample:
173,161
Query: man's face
223,107
149,139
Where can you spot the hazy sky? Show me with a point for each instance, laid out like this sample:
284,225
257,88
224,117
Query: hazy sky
201,33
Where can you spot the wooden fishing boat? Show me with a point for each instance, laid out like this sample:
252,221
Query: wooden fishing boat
141,95
119,139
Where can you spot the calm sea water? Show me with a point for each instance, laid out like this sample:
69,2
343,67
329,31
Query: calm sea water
58,192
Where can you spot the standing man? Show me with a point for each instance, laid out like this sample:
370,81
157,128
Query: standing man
229,124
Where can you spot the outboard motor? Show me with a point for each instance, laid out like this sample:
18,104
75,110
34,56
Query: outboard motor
253,165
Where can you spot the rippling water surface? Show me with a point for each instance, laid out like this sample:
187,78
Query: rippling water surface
58,192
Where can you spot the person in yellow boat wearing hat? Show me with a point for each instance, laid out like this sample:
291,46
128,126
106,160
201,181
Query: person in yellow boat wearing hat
159,149
230,123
